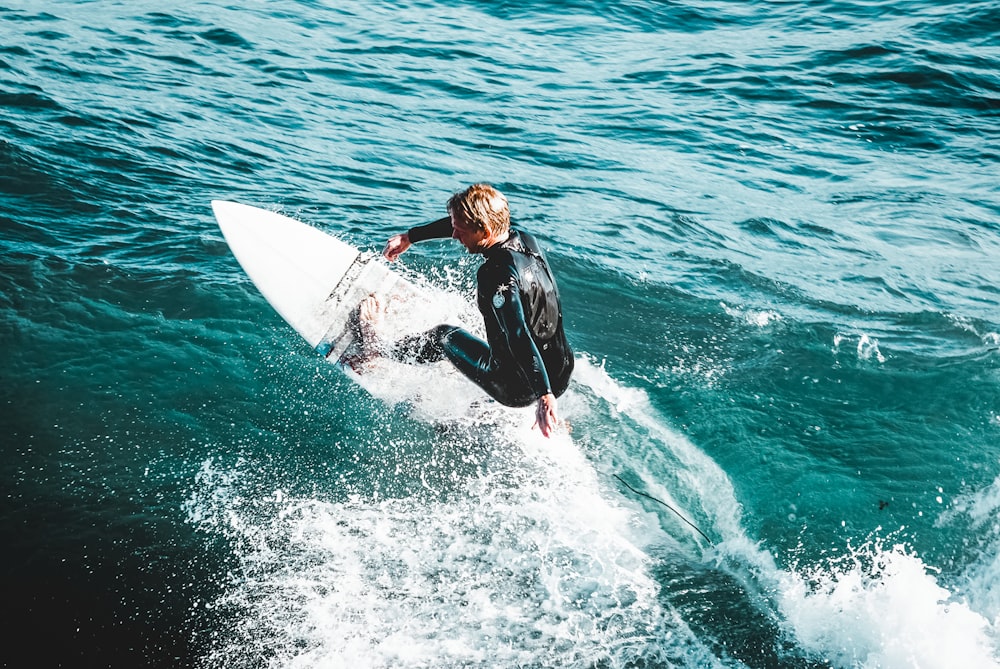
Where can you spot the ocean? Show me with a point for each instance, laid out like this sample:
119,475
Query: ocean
776,230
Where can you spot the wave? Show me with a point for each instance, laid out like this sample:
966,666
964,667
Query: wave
880,606
514,550
529,554
528,565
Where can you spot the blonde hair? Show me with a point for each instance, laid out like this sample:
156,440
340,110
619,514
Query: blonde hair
482,207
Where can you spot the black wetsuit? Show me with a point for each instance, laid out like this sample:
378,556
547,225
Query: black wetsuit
525,355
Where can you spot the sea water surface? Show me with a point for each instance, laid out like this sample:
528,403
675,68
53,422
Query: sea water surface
776,227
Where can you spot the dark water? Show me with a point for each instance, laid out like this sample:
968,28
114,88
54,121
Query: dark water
776,227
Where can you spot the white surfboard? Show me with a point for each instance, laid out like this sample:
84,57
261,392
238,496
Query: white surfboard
316,282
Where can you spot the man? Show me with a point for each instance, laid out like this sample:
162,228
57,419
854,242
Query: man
525,358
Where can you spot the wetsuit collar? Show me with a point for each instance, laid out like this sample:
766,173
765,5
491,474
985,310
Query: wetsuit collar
499,243
511,242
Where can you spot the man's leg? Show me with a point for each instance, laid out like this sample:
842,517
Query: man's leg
470,354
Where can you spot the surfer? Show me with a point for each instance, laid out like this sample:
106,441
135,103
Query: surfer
526,358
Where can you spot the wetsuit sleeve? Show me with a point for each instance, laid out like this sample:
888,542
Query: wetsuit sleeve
438,229
522,348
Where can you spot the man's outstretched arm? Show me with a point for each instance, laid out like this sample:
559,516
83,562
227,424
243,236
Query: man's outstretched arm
398,244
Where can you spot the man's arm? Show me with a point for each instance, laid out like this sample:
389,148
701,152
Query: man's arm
545,414
510,314
397,244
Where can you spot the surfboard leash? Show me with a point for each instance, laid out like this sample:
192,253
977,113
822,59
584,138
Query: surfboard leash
660,501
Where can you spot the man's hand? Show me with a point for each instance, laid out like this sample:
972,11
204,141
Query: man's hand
395,246
545,415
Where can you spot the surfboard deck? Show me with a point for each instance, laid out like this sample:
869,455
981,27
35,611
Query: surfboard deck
316,282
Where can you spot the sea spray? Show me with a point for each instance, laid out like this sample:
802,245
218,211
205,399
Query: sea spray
524,565
878,606
668,463
980,580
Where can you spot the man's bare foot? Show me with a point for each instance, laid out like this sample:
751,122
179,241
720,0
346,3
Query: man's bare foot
368,315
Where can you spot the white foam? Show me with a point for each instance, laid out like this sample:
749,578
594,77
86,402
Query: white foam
432,392
879,606
757,317
876,606
660,451
527,565
989,339
536,560
981,580
867,347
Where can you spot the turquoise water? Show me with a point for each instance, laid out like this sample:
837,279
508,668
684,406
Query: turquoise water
776,227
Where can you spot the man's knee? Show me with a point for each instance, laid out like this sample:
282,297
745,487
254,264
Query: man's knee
425,347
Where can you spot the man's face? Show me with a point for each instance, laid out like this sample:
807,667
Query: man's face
475,241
